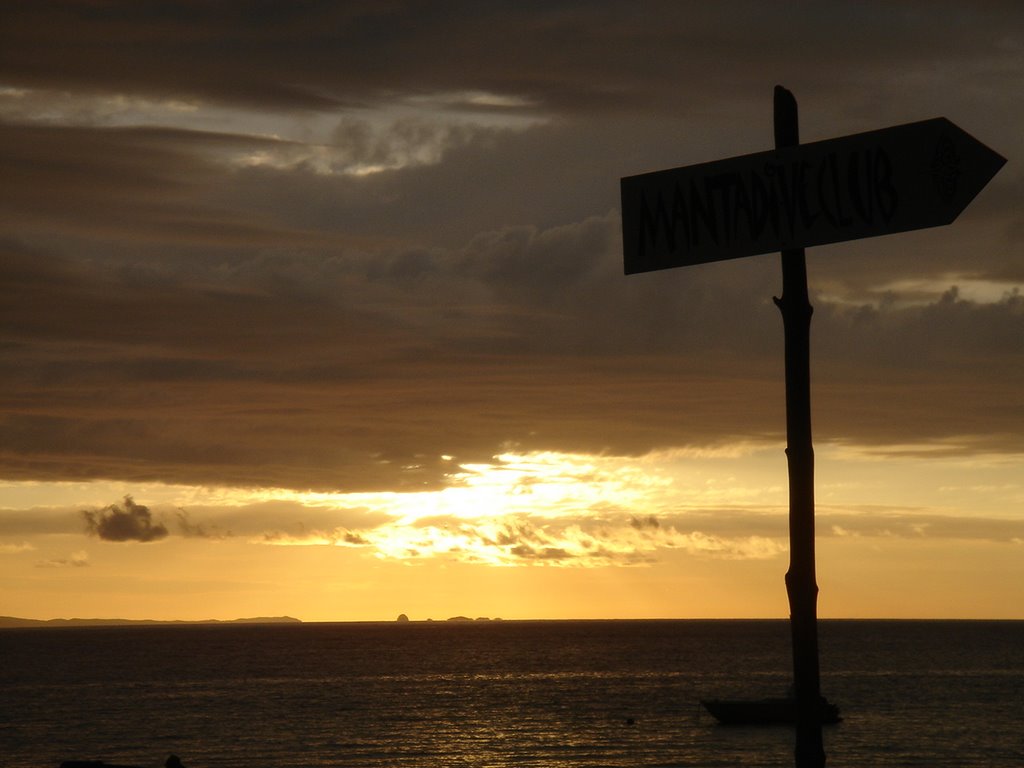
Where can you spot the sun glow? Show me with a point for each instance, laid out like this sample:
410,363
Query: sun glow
701,531
549,508
563,509
544,484
543,507
521,508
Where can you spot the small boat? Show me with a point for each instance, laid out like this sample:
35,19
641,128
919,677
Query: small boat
172,762
765,711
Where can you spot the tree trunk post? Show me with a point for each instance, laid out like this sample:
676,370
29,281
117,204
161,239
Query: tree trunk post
801,585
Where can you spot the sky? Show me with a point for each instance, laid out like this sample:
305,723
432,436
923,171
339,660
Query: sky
318,309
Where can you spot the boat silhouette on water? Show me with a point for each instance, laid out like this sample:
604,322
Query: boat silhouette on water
777,711
173,761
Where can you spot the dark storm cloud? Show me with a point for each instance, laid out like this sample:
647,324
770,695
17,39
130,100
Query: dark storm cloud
171,313
128,184
358,372
124,522
950,332
315,55
428,352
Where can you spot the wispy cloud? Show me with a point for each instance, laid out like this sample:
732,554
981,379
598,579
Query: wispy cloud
523,540
191,529
7,548
335,538
78,559
922,525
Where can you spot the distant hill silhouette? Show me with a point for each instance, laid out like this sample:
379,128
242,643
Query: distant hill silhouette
11,621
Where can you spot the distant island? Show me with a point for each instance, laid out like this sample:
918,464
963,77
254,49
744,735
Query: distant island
404,618
11,621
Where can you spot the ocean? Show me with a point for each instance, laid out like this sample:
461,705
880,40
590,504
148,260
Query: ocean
498,694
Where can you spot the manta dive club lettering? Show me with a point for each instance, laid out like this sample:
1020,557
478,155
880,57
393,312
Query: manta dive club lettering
786,198
880,182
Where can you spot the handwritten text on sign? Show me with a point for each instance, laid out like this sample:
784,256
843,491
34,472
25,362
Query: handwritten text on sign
892,180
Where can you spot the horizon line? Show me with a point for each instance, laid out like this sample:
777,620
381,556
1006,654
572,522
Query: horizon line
15,622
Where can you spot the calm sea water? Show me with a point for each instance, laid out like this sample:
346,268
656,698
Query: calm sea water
496,694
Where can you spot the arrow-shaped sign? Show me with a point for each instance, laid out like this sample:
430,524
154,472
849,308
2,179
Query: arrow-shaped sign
876,183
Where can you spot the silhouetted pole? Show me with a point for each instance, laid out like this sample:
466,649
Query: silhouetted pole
801,585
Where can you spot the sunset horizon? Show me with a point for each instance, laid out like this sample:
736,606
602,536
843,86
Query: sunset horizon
320,310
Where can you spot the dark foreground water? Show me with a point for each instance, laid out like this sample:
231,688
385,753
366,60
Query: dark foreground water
495,694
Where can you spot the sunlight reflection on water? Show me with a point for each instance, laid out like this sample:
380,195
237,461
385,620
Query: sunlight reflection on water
545,694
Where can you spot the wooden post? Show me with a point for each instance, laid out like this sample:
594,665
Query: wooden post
801,584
